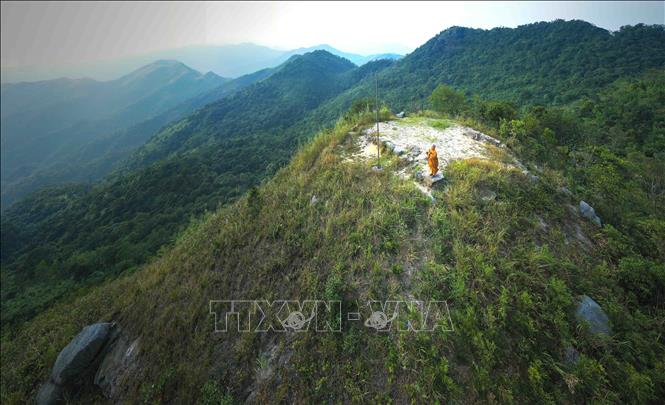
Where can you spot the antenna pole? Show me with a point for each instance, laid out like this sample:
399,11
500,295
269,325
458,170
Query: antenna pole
378,135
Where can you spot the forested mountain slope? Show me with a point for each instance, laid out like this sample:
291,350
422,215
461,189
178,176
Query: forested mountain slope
69,237
218,152
45,124
550,63
96,158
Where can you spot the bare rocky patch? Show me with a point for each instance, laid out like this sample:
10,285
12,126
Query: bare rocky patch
411,138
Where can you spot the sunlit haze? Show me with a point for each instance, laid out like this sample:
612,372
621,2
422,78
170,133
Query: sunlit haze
64,33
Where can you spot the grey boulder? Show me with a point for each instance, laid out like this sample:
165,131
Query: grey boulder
590,312
589,213
80,353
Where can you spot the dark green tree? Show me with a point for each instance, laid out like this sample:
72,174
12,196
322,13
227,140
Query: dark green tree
448,100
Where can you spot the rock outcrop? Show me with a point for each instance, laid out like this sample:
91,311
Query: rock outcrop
117,365
99,350
589,213
49,394
590,312
80,353
571,356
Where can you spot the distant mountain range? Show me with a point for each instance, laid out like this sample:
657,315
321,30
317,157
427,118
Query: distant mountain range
63,130
50,124
223,60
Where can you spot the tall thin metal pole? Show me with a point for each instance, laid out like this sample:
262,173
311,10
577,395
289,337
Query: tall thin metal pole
378,135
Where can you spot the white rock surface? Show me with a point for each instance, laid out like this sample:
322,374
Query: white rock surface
411,140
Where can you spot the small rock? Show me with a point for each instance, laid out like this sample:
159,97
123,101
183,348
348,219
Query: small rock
487,195
565,190
541,223
589,213
571,356
400,114
582,238
314,200
589,311
430,180
80,353
479,136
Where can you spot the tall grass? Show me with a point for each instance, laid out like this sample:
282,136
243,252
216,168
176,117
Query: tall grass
510,285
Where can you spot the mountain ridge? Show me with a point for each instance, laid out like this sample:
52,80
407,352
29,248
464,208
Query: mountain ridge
233,60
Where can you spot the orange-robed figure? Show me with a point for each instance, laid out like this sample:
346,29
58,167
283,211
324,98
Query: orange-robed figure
433,160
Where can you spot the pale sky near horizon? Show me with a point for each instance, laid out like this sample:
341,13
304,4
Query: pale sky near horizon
66,33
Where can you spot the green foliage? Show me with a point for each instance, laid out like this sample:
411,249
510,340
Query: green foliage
546,63
494,112
446,100
153,393
510,285
211,394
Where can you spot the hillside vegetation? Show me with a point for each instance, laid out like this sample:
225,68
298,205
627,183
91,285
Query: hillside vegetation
510,284
547,63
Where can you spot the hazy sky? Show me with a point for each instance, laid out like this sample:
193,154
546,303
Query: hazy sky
64,33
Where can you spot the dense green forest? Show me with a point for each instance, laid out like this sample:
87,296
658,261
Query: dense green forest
52,128
92,149
542,63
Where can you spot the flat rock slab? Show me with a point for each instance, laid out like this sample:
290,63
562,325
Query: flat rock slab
410,140
414,139
431,180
